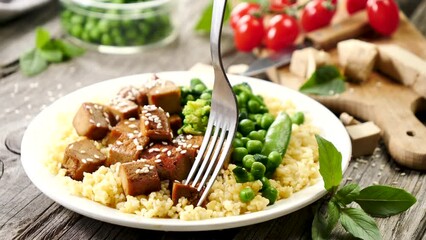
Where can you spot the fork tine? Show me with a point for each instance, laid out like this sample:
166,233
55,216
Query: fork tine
223,156
200,153
206,158
217,148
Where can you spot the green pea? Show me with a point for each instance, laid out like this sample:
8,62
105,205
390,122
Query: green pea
274,160
266,121
206,96
253,106
262,134
242,114
271,194
238,154
244,97
85,36
241,104
261,158
245,140
254,146
298,118
256,135
106,39
241,175
257,170
248,161
238,135
103,26
236,142
76,31
195,81
77,19
95,35
265,183
247,194
131,34
246,126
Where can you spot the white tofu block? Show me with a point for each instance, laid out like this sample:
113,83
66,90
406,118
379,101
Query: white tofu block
364,137
403,66
305,61
357,58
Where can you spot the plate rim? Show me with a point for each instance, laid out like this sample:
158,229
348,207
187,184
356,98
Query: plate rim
165,224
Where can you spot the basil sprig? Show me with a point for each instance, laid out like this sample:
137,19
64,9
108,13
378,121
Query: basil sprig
377,200
326,80
47,50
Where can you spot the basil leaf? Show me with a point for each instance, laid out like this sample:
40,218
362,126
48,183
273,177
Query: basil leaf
51,55
359,224
31,63
69,50
330,161
325,221
204,23
42,37
326,80
348,193
384,201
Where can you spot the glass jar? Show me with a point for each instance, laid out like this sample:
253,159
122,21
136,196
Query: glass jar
119,27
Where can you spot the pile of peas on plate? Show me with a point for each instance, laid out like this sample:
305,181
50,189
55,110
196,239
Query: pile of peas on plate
116,27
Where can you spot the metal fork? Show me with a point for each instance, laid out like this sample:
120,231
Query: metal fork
223,119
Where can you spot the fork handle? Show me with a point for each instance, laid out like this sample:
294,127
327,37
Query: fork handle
216,32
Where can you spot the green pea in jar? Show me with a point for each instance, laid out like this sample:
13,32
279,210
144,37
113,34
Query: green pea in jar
120,26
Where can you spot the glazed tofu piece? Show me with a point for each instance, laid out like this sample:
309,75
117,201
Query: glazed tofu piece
173,163
190,143
166,96
93,121
123,109
136,95
181,190
357,58
175,122
128,147
126,126
82,156
155,123
139,178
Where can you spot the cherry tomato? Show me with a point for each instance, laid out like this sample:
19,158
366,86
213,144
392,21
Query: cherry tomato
279,5
248,33
383,16
282,32
353,6
242,9
317,14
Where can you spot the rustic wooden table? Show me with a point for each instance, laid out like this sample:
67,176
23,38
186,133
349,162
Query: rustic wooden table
26,213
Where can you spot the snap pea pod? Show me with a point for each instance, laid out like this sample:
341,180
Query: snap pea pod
278,135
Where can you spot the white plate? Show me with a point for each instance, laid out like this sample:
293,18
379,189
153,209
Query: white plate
36,141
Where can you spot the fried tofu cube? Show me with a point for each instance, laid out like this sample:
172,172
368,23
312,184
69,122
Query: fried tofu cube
190,143
357,58
139,178
82,156
123,109
166,96
126,126
136,95
181,190
155,123
175,122
92,121
128,147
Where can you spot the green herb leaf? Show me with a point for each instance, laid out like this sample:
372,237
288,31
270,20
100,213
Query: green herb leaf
325,220
42,37
326,80
68,50
330,161
384,201
51,55
204,23
31,63
348,193
359,224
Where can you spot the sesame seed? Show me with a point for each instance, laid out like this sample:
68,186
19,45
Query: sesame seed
146,123
132,119
164,143
119,142
403,174
96,156
82,151
189,145
183,152
83,160
133,126
139,147
169,153
195,146
158,156
89,159
151,167
164,150
157,160
98,124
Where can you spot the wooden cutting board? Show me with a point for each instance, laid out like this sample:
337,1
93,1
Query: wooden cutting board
391,105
